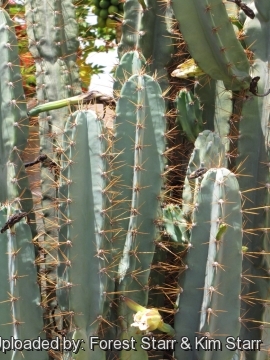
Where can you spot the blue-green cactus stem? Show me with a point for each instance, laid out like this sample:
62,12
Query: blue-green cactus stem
20,304
147,166
205,89
263,8
123,162
15,185
130,112
131,63
53,44
130,27
149,144
52,29
209,305
208,152
52,37
156,39
223,109
13,117
85,279
216,116
213,43
217,106
252,163
14,124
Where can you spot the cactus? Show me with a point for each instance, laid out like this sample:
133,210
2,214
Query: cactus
20,303
217,107
139,116
254,120
212,263
131,63
141,230
155,41
53,43
214,36
130,27
14,124
57,78
84,213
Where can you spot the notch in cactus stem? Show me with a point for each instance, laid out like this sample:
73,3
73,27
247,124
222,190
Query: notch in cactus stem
147,319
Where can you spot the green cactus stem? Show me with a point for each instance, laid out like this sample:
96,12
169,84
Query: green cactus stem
90,97
212,42
53,42
189,114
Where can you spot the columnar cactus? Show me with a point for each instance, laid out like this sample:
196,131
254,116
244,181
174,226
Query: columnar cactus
20,300
213,262
252,165
20,303
213,43
53,43
109,198
156,39
84,205
140,172
14,120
